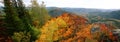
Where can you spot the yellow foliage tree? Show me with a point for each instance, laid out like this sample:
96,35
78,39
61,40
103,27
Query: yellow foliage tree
49,28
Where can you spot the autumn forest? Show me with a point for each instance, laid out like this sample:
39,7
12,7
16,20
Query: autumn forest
38,23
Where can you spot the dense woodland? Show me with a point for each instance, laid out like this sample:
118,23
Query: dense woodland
37,23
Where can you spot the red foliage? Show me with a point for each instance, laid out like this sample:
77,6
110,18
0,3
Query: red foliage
77,29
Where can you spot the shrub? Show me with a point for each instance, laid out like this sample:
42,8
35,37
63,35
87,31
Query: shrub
21,36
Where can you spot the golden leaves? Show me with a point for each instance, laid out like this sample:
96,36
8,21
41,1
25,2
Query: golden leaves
49,28
68,28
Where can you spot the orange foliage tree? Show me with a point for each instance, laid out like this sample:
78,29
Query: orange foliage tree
68,28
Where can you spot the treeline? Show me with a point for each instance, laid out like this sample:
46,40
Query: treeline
23,25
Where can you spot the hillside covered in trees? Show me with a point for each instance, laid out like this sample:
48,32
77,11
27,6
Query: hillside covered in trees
38,23
73,28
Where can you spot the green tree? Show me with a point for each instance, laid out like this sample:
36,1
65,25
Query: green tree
25,16
18,18
14,23
22,13
39,14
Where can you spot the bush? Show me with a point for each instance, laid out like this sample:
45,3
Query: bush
34,34
21,37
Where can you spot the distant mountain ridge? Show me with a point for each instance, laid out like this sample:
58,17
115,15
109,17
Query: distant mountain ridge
56,11
106,13
82,10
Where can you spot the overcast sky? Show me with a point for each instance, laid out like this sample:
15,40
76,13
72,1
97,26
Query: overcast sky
100,4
